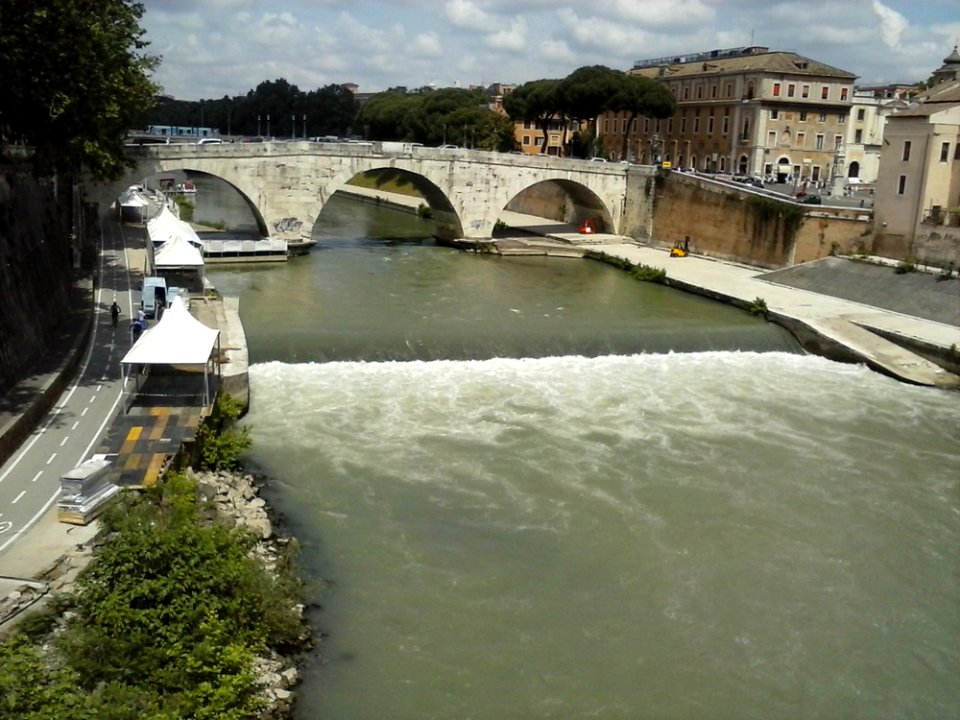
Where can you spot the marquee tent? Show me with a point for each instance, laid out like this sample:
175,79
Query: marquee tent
178,339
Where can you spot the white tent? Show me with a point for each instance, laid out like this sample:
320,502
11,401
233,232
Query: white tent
177,339
178,253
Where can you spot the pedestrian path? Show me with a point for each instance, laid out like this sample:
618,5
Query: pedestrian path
838,325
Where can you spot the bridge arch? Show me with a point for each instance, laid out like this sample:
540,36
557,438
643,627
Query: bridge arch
288,182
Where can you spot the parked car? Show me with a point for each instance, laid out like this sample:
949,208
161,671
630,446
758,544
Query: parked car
446,147
598,159
210,141
811,200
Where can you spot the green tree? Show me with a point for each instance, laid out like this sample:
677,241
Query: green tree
535,102
75,80
640,95
586,92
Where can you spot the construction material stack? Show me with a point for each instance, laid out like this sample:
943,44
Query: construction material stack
85,491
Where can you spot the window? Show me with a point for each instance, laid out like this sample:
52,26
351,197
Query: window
791,90
945,152
746,129
819,141
710,125
823,117
803,116
843,93
902,185
670,126
801,139
726,123
683,124
538,141
774,114
772,138
861,114
526,140
686,92
699,91
776,89
906,151
713,90
728,90
805,92
633,126
646,126
606,125
858,136
824,92
696,124
837,141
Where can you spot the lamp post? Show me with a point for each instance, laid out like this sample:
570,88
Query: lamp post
268,125
258,126
304,126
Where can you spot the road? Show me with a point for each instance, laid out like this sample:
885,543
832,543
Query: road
30,480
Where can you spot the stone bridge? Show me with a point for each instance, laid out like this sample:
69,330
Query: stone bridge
287,183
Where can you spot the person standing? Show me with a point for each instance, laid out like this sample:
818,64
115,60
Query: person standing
114,313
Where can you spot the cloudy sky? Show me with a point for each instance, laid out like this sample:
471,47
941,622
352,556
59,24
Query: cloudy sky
212,48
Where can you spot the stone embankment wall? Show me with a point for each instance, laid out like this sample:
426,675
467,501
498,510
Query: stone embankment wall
36,268
751,228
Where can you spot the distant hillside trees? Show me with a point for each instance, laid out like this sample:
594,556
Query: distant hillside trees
75,79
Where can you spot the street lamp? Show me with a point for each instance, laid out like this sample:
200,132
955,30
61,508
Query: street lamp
304,126
258,126
268,125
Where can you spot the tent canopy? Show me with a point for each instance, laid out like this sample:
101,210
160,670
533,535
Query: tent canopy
177,339
177,252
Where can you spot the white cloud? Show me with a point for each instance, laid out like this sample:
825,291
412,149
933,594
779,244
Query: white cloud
466,14
512,38
892,24
426,45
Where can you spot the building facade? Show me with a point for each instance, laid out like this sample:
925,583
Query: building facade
744,111
863,144
917,207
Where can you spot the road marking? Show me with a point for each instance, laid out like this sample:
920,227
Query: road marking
75,425
17,498
99,387
39,473
51,458
84,411
64,441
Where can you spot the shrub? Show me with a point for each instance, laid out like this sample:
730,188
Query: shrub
758,307
646,273
905,266
424,211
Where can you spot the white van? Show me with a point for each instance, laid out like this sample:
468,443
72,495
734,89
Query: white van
153,296
210,141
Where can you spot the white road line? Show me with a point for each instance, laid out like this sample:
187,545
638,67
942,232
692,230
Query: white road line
17,498
64,441
75,424
84,411
51,458
34,478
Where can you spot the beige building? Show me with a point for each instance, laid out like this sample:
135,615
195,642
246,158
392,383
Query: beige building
864,137
917,207
746,111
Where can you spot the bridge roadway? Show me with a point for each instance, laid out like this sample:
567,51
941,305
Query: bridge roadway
39,542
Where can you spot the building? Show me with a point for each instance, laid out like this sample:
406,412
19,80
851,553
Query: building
917,207
864,137
746,110
530,137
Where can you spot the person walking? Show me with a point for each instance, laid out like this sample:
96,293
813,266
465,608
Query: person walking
114,313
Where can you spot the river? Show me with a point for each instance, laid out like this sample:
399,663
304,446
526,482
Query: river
536,488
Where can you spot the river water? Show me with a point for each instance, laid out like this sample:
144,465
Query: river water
531,488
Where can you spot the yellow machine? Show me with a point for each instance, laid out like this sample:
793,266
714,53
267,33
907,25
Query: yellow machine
681,249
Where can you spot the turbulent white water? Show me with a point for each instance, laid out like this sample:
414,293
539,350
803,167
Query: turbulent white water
703,535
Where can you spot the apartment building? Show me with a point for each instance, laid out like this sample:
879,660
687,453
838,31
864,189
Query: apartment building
863,145
746,111
917,203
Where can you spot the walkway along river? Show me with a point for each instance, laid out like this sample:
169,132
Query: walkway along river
536,488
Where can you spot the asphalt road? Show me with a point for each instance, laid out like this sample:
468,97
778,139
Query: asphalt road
30,480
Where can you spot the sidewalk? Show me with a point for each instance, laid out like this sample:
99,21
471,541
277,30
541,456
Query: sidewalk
832,326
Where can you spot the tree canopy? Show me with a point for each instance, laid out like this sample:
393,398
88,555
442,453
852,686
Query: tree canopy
75,80
535,102
434,117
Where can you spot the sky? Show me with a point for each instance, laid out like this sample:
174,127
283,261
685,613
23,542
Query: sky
213,48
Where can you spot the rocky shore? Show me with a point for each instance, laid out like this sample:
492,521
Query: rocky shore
235,497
